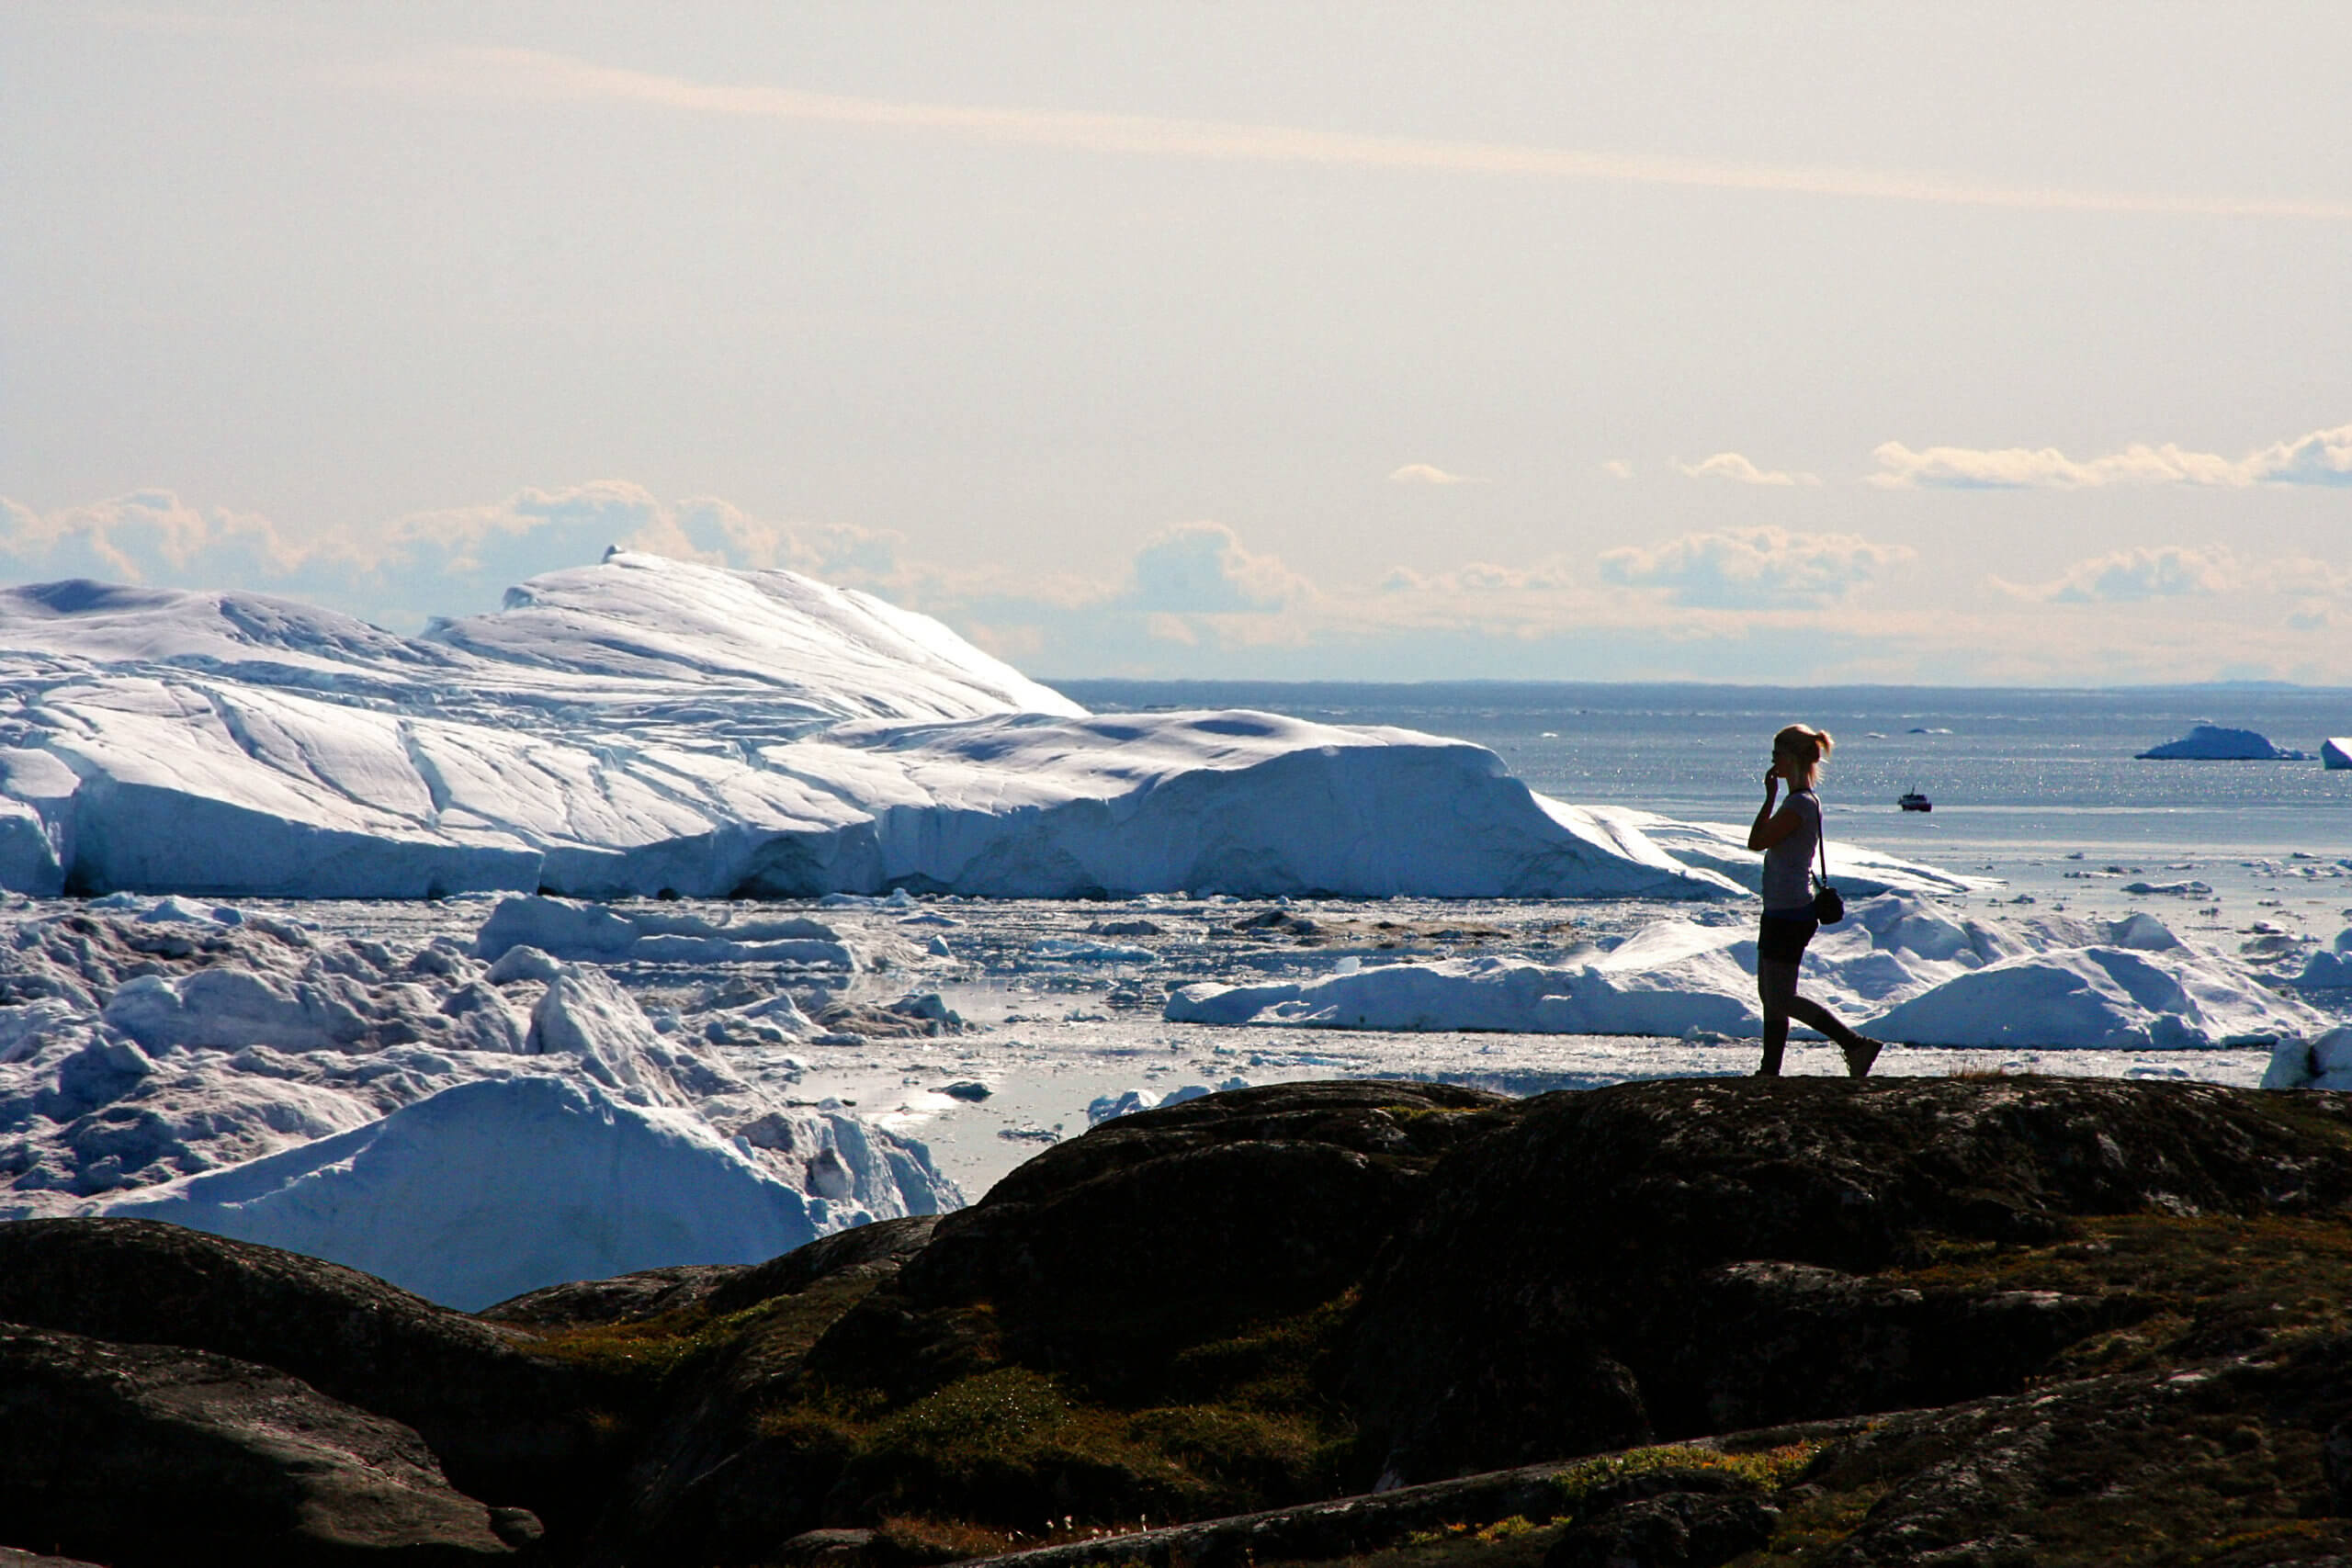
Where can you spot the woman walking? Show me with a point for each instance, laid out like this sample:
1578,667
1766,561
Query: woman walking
1788,838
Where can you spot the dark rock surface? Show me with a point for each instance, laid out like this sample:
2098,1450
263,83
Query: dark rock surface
708,1483
133,1454
1102,1255
625,1298
2189,1454
1668,1529
508,1427
1664,1258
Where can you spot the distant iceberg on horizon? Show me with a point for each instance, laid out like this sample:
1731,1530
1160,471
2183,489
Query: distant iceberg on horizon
2217,743
647,726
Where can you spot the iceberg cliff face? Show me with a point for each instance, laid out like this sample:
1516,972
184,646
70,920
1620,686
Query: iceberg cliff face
647,725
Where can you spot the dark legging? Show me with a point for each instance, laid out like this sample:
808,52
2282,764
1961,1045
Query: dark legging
1776,983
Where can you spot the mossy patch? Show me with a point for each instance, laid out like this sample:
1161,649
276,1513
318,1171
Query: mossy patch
1235,1424
631,1361
2215,1285
1768,1470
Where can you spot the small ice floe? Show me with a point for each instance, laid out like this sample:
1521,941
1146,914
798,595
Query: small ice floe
1076,950
1109,1107
897,898
178,909
566,929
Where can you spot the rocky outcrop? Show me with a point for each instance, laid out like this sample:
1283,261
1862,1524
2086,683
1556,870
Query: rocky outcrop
136,1454
2178,1459
1894,1321
1104,1256
1678,1258
509,1428
710,1483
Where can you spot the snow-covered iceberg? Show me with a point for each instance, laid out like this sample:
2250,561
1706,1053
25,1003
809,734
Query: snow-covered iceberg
647,726
2336,753
489,1189
2216,743
2330,966
1900,968
466,1130
2323,1062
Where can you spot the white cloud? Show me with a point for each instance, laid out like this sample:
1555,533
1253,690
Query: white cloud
2321,457
2169,572
1429,474
149,535
1739,470
1754,567
527,76
1203,568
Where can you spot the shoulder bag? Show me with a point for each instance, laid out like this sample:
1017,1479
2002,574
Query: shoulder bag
1828,904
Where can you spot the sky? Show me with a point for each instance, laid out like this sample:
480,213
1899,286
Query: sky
1952,343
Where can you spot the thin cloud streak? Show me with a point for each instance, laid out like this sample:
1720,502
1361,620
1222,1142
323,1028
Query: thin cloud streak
538,75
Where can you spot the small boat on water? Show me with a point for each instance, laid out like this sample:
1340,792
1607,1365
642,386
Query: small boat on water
1915,801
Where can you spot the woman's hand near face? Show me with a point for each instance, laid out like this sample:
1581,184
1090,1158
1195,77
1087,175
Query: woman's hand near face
1764,831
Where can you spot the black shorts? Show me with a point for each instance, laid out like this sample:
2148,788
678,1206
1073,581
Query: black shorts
1782,938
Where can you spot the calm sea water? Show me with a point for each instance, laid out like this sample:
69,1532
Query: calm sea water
2020,779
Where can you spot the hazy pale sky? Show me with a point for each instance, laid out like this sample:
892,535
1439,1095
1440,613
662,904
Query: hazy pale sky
1949,343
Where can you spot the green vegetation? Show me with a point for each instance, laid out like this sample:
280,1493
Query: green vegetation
1228,1426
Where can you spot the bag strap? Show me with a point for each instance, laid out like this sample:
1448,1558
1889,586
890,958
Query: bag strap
1820,839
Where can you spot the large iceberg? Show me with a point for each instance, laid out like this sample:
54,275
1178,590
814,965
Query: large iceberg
647,726
2336,753
1901,968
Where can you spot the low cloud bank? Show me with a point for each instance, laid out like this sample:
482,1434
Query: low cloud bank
1196,599
1748,568
2322,457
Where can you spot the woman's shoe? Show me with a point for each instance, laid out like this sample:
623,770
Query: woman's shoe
1860,1054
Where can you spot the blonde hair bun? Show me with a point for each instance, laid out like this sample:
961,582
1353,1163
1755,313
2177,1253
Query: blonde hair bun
1808,745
